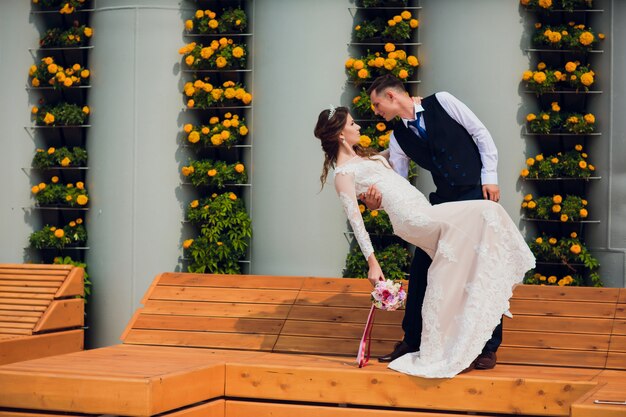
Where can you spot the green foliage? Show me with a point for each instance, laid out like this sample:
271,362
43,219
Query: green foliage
225,232
368,29
548,5
571,164
62,114
395,62
60,194
71,234
222,54
393,260
227,132
72,37
376,221
215,173
54,157
362,105
571,208
380,3
202,94
59,260
571,36
207,21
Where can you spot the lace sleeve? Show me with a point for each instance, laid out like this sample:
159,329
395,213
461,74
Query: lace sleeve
344,184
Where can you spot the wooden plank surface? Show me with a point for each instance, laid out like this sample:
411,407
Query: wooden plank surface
550,357
616,360
119,380
259,409
277,377
38,346
337,285
585,406
62,314
231,281
343,315
266,311
339,330
213,408
331,299
563,308
583,294
238,295
328,346
212,324
73,285
201,339
545,340
559,324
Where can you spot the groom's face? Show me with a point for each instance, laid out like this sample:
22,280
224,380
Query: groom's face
384,104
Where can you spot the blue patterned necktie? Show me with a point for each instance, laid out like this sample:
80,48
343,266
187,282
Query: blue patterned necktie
416,123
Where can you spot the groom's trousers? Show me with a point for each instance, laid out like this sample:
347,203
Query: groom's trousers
418,278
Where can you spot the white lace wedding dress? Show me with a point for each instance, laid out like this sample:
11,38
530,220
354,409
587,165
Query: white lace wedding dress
478,256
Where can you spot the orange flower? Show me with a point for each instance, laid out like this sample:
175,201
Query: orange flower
575,249
59,233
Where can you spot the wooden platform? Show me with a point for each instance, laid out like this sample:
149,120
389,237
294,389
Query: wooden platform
243,346
40,312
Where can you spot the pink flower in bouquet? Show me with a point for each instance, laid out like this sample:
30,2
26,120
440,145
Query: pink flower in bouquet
388,295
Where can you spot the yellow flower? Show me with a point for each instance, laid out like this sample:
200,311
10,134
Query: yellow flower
363,73
54,179
247,98
575,249
528,197
397,18
542,278
391,23
524,204
554,160
578,147
59,233
555,106
406,15
187,243
539,158
217,140
225,134
213,24
358,64
82,200
350,62
65,161
223,41
589,118
365,141
586,38
556,208
194,204
554,37
545,116
412,61
583,202
357,27
583,213
51,150
221,62
601,36
35,83
573,235
390,63
86,109
524,173
591,167
551,278
212,173
546,4
193,137
381,127
541,66
539,77
232,196
238,52
586,79
570,66
552,241
35,189
530,162
72,224
532,205
403,74
79,221
564,217
48,119
539,241
88,32
537,25
204,130
188,128
582,164
199,14
189,25
68,82
413,23
85,73
374,213
239,168
390,47
243,131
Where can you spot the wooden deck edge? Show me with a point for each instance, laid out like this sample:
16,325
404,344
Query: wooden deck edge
39,346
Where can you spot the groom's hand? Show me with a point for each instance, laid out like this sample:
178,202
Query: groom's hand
372,198
491,192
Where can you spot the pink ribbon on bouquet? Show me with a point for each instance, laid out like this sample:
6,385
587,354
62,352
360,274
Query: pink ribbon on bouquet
363,355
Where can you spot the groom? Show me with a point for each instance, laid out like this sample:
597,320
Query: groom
443,136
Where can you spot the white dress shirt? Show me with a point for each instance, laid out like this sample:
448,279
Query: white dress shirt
466,118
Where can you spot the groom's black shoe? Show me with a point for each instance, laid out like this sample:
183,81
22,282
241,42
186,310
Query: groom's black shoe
401,348
486,360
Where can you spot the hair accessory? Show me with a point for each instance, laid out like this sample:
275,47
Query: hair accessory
331,112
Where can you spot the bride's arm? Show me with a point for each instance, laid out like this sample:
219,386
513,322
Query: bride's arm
344,184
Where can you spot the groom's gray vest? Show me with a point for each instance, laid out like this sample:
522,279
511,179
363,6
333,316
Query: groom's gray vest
449,153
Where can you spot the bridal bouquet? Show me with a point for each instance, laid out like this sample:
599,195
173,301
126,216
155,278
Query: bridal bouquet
388,295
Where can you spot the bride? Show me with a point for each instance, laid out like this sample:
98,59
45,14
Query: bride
477,251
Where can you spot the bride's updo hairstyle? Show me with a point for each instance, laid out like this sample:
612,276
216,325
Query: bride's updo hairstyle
327,130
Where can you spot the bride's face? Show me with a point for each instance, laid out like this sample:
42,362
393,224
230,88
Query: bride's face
351,131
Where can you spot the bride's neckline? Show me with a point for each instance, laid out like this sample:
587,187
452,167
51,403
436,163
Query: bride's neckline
346,162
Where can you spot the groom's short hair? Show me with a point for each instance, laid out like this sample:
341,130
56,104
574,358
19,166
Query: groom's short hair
384,82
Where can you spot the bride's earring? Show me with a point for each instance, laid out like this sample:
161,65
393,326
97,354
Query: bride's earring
343,140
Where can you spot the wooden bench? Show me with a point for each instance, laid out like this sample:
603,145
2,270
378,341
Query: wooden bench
235,346
40,314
